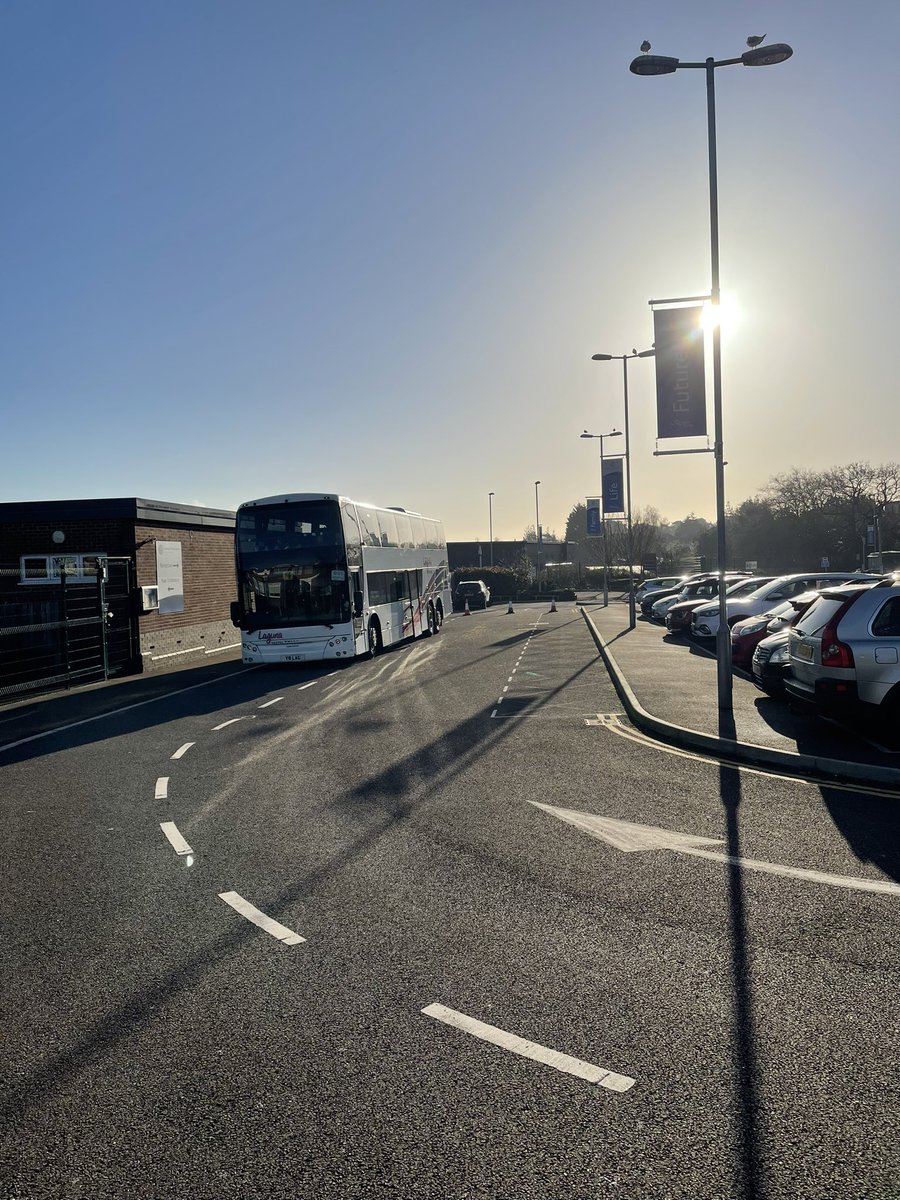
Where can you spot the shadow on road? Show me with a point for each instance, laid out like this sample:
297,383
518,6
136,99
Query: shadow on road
745,1066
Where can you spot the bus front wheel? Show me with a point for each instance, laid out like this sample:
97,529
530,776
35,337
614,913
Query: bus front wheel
374,639
432,621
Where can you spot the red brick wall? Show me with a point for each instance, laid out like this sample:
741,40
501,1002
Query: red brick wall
207,558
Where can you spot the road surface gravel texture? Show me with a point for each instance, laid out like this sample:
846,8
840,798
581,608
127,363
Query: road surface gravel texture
238,1011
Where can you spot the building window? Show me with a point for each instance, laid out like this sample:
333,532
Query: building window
49,568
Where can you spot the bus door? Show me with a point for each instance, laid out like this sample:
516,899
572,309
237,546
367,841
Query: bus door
410,592
415,595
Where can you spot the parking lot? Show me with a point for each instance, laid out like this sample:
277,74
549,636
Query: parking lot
673,677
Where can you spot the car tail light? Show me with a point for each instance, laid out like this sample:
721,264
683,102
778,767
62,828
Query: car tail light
834,652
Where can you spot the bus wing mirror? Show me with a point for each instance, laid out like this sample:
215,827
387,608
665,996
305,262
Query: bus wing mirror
236,613
357,604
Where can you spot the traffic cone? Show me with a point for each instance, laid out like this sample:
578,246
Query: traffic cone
553,604
509,607
467,613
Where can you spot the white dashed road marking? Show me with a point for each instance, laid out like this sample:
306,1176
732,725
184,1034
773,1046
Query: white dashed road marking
271,926
182,750
179,845
233,721
304,686
541,1054
269,703
162,788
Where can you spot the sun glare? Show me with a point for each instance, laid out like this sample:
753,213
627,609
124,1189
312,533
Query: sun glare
725,314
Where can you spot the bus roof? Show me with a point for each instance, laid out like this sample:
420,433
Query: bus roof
297,497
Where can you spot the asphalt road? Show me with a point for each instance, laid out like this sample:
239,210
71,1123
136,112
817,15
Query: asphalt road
157,1043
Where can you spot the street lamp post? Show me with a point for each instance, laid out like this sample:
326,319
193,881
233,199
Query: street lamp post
491,524
537,534
657,64
632,620
602,436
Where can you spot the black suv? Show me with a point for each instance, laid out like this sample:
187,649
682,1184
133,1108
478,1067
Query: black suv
477,593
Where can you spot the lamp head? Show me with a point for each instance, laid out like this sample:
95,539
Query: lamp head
653,64
766,56
601,358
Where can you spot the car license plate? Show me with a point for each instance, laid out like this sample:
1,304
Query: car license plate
804,650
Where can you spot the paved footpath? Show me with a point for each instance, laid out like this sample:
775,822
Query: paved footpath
674,680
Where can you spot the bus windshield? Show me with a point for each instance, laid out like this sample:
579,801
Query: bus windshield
292,565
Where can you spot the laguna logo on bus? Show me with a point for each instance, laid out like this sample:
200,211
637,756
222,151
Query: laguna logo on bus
270,637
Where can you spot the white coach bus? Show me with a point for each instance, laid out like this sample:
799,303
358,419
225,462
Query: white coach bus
322,577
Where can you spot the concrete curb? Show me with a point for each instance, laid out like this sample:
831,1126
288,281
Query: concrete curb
828,770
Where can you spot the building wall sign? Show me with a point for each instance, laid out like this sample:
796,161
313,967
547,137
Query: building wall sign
169,577
680,375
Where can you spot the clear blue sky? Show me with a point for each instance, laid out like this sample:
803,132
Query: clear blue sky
251,247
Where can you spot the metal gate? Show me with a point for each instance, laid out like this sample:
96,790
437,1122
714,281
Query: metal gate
71,629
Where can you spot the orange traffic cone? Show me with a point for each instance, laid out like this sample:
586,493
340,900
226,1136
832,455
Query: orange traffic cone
553,604
467,613
510,608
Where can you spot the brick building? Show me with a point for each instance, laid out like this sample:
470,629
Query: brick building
169,569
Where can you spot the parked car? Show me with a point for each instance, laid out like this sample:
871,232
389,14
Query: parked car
845,649
475,591
705,620
678,618
661,593
702,588
771,661
748,633
656,585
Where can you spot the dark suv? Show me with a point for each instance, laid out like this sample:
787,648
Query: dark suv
477,593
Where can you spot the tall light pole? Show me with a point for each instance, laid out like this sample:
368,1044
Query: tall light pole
657,64
491,524
632,620
602,437
537,534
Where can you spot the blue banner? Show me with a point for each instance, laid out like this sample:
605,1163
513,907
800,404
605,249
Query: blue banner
613,487
594,527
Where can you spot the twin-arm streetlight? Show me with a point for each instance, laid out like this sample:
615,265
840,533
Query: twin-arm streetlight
602,437
624,359
657,64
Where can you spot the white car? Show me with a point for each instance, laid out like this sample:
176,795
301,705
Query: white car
705,620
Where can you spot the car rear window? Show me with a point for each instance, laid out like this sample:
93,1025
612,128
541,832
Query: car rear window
819,614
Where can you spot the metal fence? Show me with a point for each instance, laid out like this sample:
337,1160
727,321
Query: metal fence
59,629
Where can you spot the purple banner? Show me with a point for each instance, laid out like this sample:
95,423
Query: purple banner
680,374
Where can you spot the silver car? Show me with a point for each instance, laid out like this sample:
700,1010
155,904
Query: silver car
705,620
845,649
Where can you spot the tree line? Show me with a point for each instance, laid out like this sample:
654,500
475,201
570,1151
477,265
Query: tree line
800,519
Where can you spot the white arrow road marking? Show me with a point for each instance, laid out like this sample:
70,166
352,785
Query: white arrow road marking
629,837
162,788
179,845
271,926
182,750
541,1054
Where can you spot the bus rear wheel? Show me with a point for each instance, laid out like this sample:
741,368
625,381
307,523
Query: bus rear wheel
432,627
